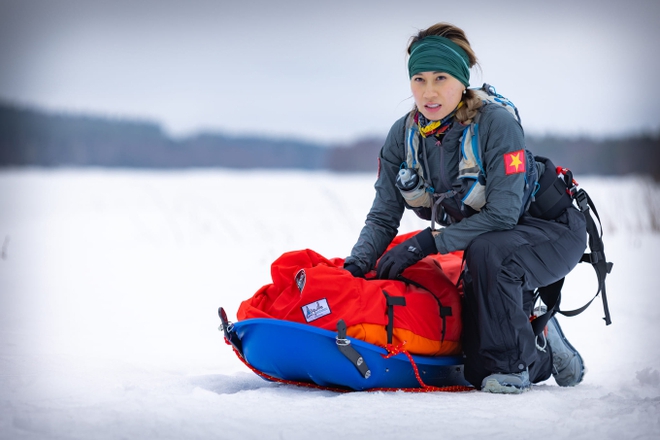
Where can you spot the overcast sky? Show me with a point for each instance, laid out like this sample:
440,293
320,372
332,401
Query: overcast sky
327,71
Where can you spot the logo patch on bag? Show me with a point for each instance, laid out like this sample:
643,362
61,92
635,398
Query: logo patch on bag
316,310
514,163
301,278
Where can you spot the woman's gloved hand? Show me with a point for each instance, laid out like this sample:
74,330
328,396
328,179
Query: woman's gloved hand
405,254
354,269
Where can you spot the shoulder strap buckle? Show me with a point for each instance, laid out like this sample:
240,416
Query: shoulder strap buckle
582,200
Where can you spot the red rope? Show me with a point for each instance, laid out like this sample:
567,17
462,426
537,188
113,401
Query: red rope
392,351
285,381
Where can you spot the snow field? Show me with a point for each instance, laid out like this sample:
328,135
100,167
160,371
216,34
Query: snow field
110,282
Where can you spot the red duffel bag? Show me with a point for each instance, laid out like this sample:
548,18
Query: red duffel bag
423,313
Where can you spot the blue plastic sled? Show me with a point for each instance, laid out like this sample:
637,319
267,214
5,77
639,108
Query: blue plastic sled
303,353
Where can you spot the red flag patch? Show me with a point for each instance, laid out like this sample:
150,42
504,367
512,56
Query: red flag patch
514,163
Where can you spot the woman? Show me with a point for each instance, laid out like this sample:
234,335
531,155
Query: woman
508,252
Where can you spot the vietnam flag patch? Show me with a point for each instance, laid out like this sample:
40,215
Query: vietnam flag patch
514,163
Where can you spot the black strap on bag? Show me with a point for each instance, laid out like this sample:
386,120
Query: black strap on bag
345,347
391,302
551,297
554,196
597,256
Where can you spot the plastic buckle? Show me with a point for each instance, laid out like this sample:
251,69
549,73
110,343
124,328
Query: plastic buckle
581,199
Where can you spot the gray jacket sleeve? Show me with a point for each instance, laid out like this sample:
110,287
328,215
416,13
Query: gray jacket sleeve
499,134
382,223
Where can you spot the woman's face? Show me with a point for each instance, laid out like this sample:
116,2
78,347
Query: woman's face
436,93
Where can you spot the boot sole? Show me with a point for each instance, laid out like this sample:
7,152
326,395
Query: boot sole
494,386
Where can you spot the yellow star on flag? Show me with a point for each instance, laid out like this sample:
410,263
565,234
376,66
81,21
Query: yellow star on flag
513,162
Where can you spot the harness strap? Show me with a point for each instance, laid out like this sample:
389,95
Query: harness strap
597,256
551,295
438,199
345,347
391,302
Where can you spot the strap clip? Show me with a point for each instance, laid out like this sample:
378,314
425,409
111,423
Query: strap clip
344,346
582,200
227,328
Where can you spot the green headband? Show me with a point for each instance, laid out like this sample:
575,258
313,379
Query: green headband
439,54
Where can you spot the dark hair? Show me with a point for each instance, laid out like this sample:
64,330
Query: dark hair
471,102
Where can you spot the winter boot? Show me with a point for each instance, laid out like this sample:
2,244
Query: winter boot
503,383
567,364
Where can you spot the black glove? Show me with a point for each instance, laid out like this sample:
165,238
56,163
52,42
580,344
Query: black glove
405,254
354,269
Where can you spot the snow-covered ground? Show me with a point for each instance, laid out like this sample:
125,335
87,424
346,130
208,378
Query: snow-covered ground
110,282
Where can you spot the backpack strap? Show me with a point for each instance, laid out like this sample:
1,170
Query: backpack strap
551,297
471,174
597,256
551,294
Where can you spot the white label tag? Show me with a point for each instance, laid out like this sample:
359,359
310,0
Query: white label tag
316,310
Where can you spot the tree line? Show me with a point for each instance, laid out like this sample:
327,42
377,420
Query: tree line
30,137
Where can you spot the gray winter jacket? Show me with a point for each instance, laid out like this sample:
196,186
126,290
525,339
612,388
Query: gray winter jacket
499,134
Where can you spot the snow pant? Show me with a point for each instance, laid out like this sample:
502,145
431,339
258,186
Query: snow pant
502,270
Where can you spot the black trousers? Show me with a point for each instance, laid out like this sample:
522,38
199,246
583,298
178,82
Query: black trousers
502,269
